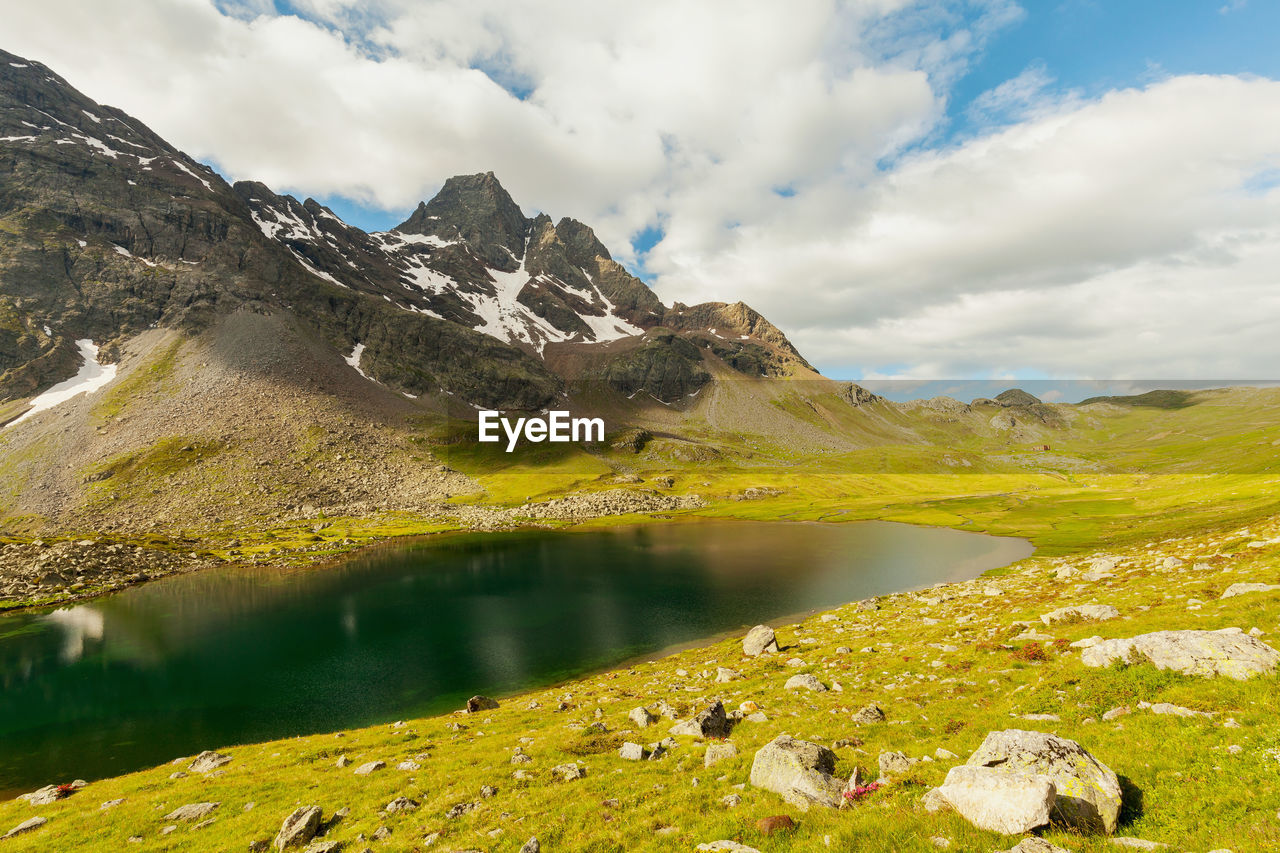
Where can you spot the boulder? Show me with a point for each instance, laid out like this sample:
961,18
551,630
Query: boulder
43,797
192,811
1243,588
869,714
894,766
476,704
759,640
799,771
206,761
709,722
26,826
633,752
718,752
298,828
1080,613
1087,791
568,772
641,717
400,804
1228,652
805,682
999,799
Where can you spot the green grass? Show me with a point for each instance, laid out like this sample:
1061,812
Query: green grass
1185,787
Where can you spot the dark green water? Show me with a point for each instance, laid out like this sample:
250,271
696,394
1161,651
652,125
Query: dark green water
246,654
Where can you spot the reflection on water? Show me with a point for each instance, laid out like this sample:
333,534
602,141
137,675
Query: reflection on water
244,654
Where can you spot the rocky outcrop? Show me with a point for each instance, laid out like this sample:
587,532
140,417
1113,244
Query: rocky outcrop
1229,652
799,771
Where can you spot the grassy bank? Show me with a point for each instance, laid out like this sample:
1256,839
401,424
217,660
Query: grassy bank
947,665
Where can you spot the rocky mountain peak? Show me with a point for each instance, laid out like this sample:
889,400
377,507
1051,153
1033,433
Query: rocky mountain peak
477,209
581,242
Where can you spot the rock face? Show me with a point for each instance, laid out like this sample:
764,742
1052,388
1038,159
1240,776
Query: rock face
759,640
999,799
1228,652
710,722
799,771
298,828
1243,588
1088,792
1080,613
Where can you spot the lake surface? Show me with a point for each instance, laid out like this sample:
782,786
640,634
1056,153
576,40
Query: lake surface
244,654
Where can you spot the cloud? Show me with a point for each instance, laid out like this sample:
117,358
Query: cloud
1134,234
795,156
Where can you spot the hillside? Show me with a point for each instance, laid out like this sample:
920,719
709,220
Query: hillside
1196,755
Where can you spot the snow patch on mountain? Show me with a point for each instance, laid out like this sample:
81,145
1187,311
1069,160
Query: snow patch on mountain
91,376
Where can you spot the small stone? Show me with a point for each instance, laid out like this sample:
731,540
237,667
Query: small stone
732,801
531,846
869,714
641,717
192,811
400,804
894,766
370,767
488,792
633,752
775,823
718,752
206,761
724,675
568,772
805,682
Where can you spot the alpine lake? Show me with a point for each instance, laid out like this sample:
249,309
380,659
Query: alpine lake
244,654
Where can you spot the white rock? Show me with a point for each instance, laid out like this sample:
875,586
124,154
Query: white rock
1228,652
805,682
998,799
1244,588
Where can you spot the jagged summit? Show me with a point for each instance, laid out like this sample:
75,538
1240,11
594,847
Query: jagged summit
477,209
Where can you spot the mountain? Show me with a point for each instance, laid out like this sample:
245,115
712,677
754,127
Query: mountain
108,230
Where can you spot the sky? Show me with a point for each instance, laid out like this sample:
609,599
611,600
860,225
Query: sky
910,189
